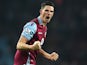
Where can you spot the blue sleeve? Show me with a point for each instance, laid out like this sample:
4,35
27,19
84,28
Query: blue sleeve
29,30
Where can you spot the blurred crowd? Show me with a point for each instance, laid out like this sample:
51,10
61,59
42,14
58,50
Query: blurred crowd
67,31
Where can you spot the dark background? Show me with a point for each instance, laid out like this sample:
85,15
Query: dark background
67,31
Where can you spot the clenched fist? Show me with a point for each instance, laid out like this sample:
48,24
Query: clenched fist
36,45
54,56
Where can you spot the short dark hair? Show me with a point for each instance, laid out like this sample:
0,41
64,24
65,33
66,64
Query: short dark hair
47,3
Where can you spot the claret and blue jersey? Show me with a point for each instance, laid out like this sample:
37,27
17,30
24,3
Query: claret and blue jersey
33,31
34,27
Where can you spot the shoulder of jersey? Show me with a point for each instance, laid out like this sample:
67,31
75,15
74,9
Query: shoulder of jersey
30,24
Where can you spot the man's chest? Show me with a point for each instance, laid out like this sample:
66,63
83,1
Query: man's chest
41,32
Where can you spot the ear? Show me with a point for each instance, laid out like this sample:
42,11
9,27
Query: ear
40,11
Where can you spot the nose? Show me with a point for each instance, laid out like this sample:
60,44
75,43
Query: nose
49,13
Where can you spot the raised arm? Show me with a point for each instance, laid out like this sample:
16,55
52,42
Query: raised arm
27,34
53,56
23,46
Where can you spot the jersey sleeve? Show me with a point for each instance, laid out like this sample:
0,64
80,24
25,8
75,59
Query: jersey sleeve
29,30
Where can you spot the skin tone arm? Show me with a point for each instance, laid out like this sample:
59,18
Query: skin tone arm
21,45
53,56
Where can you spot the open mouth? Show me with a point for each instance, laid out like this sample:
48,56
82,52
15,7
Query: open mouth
47,17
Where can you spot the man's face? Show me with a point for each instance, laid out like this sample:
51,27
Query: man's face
47,13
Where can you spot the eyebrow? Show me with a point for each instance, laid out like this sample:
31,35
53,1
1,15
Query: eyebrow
48,10
51,11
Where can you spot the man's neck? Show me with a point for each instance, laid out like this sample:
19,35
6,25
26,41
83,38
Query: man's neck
43,23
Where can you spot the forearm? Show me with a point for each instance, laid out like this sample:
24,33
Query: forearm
44,54
23,46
